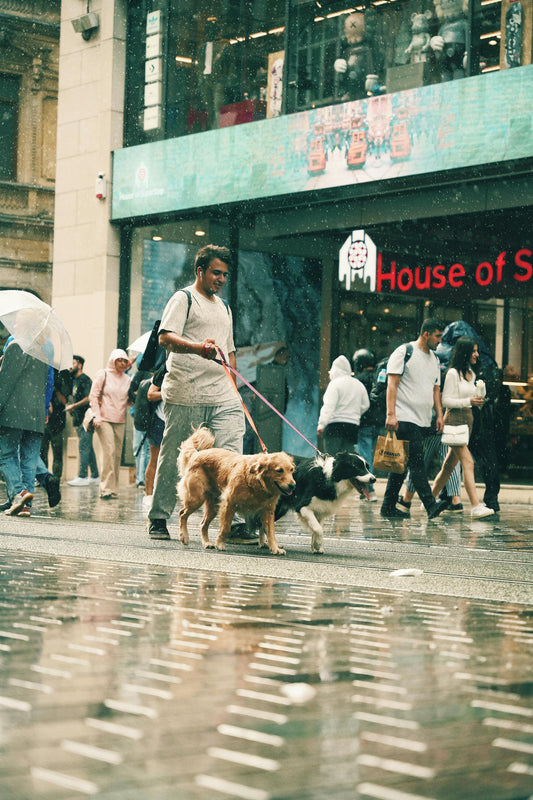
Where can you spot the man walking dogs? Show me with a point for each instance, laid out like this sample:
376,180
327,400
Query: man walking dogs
196,390
413,388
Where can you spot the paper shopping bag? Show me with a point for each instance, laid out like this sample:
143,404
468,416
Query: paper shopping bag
391,454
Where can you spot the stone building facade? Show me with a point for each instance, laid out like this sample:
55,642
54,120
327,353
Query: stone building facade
29,58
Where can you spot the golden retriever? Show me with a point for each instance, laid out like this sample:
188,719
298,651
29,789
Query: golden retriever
214,477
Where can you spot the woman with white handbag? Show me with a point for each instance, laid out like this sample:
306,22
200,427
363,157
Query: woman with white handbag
461,392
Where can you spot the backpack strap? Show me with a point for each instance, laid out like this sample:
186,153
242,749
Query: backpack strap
189,302
408,354
189,299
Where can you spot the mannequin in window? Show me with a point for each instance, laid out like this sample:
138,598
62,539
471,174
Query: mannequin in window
216,67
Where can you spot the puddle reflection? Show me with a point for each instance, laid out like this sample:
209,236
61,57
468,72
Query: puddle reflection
127,681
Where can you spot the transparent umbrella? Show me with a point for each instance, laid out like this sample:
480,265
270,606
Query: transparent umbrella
36,328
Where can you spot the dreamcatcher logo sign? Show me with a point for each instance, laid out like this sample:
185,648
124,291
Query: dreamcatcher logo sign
358,261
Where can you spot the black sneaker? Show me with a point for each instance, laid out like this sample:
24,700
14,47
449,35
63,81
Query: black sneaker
404,503
239,534
456,507
437,508
51,485
157,529
391,512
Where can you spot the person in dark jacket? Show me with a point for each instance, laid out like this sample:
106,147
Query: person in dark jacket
57,419
491,422
81,387
22,418
364,366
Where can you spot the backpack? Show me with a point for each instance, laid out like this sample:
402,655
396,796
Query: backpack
378,393
144,408
154,355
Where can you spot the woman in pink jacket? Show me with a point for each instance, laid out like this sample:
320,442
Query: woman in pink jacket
109,400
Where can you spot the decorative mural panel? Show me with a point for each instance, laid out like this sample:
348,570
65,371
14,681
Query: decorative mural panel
482,120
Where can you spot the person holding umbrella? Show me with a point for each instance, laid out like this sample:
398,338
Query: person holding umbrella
22,418
40,341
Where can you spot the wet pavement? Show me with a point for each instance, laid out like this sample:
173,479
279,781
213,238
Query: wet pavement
136,669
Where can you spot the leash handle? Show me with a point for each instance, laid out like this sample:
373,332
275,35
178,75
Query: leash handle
228,367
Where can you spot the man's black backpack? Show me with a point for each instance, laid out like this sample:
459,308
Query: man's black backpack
378,393
144,408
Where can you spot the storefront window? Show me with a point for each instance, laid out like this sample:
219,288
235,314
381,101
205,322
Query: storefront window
518,377
195,66
275,301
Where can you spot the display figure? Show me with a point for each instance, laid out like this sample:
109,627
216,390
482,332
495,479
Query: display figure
216,68
449,44
357,70
419,45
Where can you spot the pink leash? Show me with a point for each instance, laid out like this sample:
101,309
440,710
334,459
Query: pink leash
229,368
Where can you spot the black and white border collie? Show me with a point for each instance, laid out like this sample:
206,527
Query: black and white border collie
323,484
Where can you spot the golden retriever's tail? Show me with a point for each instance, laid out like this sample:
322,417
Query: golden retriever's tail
200,439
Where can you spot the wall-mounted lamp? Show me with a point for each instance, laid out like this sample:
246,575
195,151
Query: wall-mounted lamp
86,25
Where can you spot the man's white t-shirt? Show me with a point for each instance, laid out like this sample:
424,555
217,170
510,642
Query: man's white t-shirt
414,402
192,380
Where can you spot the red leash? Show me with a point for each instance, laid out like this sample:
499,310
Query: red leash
228,367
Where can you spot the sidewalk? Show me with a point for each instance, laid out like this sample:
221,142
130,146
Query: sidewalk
142,670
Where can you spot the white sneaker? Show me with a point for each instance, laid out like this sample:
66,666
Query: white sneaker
79,481
480,511
18,503
93,480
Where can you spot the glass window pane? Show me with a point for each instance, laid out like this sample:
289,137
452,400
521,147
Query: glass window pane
9,92
7,139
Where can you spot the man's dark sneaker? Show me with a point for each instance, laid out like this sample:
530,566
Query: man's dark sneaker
404,503
438,507
456,507
239,534
51,485
391,512
157,529
5,506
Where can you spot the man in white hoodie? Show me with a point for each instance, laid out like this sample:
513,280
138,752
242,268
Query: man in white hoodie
344,402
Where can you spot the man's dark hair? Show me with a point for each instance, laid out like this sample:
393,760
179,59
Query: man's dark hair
431,324
80,359
206,254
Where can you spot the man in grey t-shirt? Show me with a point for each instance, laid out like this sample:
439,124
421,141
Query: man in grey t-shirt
413,388
196,389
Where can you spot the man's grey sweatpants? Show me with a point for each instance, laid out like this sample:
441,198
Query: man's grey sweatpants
225,422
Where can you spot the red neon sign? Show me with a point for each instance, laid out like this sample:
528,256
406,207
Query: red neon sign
486,273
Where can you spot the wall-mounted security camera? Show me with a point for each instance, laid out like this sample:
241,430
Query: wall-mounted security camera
86,25
100,187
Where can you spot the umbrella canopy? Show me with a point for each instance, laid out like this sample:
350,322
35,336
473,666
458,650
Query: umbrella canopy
139,345
36,328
